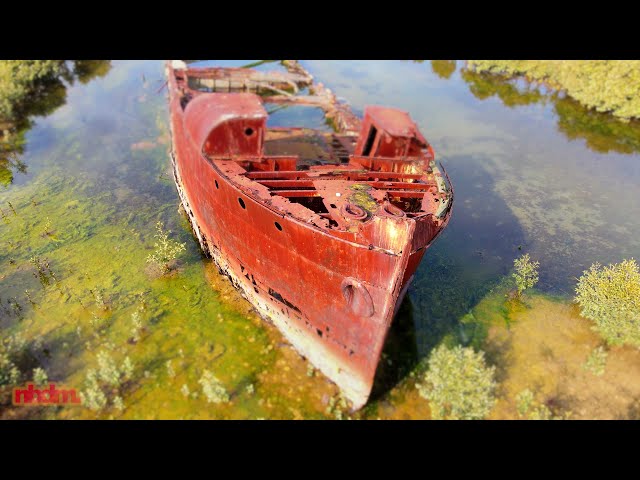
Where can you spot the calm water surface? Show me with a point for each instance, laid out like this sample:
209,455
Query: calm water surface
533,173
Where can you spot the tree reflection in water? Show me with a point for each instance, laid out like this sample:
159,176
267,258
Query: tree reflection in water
45,96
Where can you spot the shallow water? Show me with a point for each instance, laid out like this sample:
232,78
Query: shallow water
533,173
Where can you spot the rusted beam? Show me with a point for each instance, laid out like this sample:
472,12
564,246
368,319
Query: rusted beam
296,193
405,193
352,174
379,185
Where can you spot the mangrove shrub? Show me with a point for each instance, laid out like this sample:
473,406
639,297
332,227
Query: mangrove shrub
458,384
610,296
165,249
526,273
212,388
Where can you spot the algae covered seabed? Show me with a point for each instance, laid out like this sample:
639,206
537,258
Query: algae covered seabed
534,173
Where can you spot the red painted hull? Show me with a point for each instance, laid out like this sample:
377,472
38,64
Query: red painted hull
297,274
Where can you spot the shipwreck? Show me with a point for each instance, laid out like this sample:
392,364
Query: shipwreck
322,231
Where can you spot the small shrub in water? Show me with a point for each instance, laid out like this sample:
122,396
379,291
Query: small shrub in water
10,347
213,388
93,396
47,229
136,326
9,373
185,390
99,296
610,296
337,406
526,273
43,271
170,371
118,403
530,409
166,250
40,376
597,361
106,382
458,384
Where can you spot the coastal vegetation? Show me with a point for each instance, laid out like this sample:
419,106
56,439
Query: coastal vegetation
458,384
104,385
610,296
531,409
165,251
525,273
605,85
212,388
597,361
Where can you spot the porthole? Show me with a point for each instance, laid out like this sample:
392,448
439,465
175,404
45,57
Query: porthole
278,226
217,186
241,202
248,132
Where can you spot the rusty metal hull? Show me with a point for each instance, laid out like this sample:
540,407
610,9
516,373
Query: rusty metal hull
332,294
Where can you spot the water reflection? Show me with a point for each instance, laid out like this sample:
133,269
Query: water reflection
443,68
45,96
603,133
484,85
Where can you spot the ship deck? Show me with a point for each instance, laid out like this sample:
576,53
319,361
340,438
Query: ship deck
315,175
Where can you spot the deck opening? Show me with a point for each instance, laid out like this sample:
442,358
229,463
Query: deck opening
241,202
370,138
315,204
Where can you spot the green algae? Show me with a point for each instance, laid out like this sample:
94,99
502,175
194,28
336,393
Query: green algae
362,198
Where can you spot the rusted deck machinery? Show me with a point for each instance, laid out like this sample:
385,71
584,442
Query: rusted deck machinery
321,231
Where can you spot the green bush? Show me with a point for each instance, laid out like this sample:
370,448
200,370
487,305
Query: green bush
166,250
40,377
213,388
106,382
610,296
458,384
526,273
11,347
529,408
597,361
9,372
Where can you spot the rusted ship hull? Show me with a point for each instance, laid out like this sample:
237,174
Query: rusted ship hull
330,281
